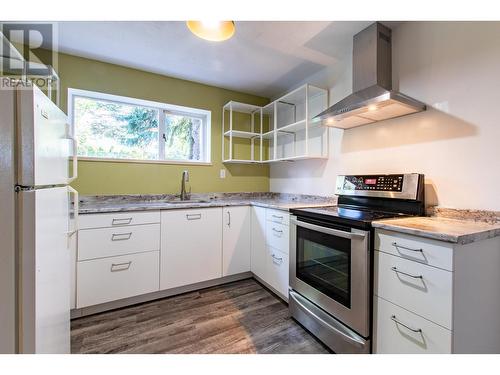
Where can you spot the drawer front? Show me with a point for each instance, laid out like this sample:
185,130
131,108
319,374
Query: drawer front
277,236
107,242
110,279
434,253
278,216
394,332
277,270
424,290
118,219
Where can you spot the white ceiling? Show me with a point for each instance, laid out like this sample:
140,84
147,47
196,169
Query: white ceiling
263,58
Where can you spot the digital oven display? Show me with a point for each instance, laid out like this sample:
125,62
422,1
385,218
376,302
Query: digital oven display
370,181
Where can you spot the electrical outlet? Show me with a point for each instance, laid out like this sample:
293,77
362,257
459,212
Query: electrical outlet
222,173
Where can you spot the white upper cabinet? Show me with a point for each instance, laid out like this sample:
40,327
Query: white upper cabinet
236,240
191,246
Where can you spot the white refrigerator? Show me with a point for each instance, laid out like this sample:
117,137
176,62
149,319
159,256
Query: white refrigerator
38,222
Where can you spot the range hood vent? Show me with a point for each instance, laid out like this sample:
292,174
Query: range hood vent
373,98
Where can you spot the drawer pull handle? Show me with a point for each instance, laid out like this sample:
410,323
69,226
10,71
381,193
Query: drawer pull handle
277,231
117,267
193,216
124,221
275,258
416,330
121,236
278,217
407,274
395,244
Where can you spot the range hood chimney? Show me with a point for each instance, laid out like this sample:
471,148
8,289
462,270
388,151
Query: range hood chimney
373,98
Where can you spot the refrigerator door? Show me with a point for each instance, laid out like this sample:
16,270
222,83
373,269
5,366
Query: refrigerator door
44,222
7,225
44,142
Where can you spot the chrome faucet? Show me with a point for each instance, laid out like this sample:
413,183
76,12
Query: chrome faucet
185,195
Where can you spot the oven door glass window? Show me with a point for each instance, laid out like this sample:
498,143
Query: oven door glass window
324,263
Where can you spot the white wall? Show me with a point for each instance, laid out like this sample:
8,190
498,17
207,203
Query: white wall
454,67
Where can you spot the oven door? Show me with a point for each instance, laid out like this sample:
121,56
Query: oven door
330,266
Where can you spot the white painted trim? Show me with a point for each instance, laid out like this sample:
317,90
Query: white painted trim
204,114
178,162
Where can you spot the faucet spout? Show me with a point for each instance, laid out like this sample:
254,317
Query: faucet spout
185,195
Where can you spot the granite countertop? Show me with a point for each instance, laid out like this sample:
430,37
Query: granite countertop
123,203
457,231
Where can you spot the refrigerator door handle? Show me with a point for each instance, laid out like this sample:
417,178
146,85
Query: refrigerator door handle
73,230
74,157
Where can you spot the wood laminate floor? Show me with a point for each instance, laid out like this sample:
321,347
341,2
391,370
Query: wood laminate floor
240,317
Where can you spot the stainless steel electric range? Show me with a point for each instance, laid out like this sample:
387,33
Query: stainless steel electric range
331,256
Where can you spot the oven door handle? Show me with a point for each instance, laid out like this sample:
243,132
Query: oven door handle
333,232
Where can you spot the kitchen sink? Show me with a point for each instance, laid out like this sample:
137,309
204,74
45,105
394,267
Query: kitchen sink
189,201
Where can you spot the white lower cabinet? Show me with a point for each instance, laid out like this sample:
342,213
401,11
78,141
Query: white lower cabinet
236,240
109,279
433,296
270,244
398,331
191,246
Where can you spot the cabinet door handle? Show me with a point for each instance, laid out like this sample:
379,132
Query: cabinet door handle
277,231
228,218
124,221
117,267
275,258
121,236
416,330
395,244
277,217
407,274
193,216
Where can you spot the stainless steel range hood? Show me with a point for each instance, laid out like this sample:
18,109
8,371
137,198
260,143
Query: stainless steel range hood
373,98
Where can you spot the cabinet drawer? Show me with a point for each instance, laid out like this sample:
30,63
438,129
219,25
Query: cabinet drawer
278,216
110,279
106,242
118,219
424,290
277,270
277,236
423,250
391,337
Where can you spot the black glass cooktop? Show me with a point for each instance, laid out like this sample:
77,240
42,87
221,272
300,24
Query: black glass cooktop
344,215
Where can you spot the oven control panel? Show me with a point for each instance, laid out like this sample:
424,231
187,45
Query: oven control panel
388,182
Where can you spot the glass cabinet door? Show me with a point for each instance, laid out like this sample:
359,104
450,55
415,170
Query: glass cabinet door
323,261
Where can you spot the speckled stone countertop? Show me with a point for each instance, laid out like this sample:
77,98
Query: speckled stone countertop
119,203
442,228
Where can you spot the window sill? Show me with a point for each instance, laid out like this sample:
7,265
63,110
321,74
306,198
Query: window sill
171,162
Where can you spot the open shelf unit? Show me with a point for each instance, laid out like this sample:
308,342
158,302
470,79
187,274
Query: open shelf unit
287,131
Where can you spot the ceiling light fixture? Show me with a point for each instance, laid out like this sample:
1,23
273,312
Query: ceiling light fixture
215,31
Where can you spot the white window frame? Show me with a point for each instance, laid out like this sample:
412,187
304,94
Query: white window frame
204,115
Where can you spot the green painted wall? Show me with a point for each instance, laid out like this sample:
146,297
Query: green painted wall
98,177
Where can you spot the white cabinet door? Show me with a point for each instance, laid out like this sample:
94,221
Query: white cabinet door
191,246
258,242
236,240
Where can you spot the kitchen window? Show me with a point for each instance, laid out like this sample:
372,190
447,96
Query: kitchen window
119,128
